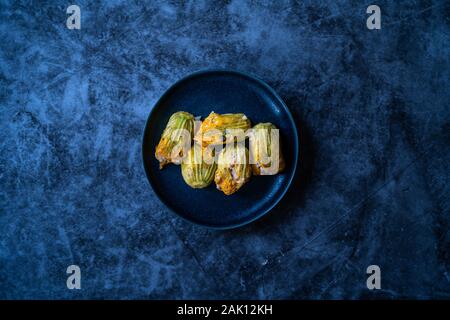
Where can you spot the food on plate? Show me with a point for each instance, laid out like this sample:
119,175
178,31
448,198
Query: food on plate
265,150
175,139
199,148
197,172
222,128
233,169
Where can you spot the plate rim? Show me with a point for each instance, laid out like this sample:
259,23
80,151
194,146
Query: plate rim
277,97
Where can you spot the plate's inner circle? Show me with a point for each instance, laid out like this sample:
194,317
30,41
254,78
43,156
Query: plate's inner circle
221,92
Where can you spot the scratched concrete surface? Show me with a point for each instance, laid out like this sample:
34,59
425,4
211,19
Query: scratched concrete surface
372,108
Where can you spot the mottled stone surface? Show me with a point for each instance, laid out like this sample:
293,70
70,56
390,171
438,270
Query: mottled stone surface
372,109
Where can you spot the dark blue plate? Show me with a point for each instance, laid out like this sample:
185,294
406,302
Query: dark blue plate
223,92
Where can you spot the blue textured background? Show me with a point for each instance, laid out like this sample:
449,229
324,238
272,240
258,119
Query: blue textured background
373,113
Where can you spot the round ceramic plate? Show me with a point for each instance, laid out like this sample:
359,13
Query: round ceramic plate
220,91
